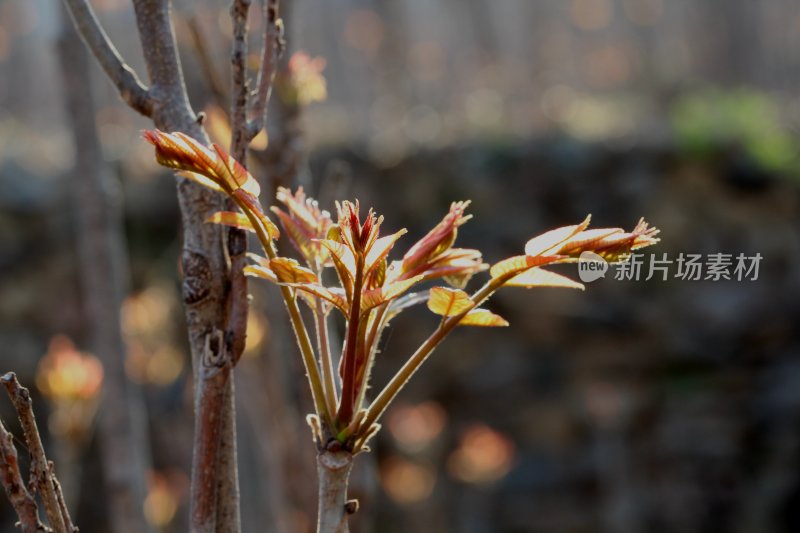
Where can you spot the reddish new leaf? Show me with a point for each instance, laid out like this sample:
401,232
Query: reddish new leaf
181,152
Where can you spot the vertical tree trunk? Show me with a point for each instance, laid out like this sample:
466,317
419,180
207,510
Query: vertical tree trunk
204,267
104,277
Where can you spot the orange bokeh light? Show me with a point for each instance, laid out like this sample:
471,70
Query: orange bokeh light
483,456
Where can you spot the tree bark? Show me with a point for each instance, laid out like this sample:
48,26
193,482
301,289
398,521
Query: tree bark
333,472
42,475
205,272
11,477
104,278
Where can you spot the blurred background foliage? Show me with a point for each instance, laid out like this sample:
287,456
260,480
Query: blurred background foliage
634,406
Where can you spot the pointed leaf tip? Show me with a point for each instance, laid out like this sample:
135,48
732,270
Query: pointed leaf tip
483,318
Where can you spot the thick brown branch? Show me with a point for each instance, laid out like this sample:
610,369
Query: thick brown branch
130,88
41,473
21,500
213,379
274,46
204,267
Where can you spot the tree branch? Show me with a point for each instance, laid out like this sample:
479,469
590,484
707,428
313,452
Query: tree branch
130,88
274,46
333,471
21,500
205,284
239,139
41,473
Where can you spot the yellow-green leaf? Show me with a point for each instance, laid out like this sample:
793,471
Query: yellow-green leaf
343,261
519,263
537,277
325,293
230,218
448,302
289,271
585,240
551,239
483,318
380,249
250,203
260,271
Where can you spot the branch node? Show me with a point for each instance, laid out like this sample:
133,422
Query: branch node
351,507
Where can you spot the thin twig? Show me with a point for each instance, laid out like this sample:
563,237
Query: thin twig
274,46
130,88
239,138
21,500
40,472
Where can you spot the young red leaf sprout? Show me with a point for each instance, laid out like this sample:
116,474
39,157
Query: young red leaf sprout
371,289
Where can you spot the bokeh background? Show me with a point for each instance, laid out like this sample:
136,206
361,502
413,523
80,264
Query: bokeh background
635,406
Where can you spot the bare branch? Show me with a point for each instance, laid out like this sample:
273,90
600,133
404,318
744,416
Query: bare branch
239,140
203,259
130,88
21,500
274,46
40,471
